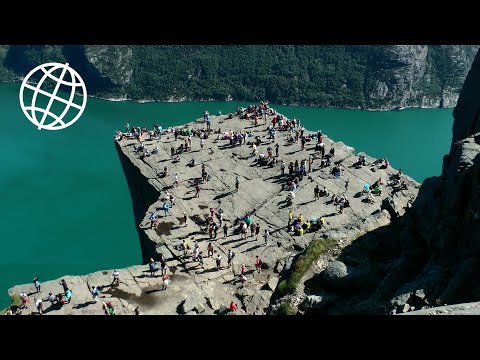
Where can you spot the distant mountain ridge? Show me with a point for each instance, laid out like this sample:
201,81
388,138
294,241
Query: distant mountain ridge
377,77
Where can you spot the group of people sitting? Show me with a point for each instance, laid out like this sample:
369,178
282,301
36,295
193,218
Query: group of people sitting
298,227
341,201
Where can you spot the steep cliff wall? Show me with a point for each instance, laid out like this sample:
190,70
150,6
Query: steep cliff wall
143,193
431,255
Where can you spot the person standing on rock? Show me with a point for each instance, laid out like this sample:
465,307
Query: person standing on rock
258,264
197,189
172,151
163,263
225,230
233,307
184,219
37,284
202,143
152,267
212,212
282,167
277,147
39,305
200,258
253,227
24,299
266,235
257,231
290,217
95,293
166,207
185,247
166,280
218,261
230,257
243,269
316,193
136,311
310,163
153,219
196,250
176,180
116,278
346,184
209,250
237,182
64,285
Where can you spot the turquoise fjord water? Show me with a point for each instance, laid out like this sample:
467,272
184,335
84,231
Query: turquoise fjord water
65,206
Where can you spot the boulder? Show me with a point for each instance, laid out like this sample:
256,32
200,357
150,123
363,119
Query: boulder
259,303
279,266
288,263
214,303
244,292
223,310
398,203
194,301
334,271
272,282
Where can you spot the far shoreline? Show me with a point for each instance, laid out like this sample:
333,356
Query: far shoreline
186,100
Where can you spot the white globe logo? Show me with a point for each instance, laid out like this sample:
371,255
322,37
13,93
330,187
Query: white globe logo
56,122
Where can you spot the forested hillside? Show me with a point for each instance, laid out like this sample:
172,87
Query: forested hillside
374,77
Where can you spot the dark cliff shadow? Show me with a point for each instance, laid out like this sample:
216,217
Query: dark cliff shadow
143,194
84,305
256,246
221,196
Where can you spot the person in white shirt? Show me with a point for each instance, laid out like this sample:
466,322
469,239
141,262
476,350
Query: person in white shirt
116,277
39,305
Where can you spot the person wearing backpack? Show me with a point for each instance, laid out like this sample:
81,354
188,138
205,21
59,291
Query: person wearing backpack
153,267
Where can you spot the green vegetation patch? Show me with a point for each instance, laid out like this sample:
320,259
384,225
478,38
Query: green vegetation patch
311,254
286,308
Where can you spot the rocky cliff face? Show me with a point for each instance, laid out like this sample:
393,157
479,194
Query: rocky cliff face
368,77
429,256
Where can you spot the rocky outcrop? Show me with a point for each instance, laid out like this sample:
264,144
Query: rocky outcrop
112,61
